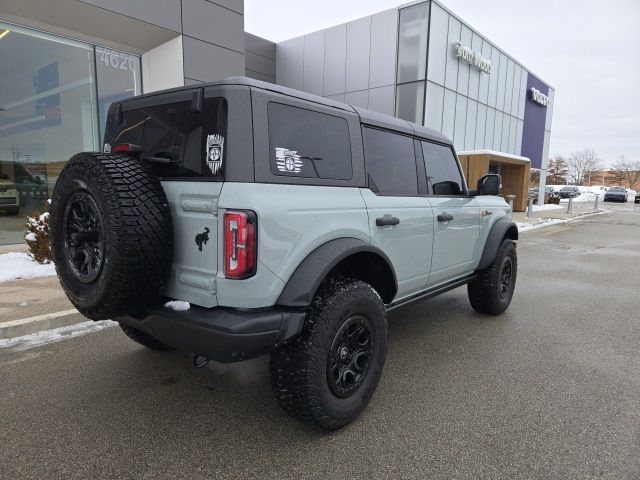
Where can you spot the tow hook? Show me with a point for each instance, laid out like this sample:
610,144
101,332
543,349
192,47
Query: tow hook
199,361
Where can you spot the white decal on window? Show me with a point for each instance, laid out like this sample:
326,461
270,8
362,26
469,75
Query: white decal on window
288,160
214,151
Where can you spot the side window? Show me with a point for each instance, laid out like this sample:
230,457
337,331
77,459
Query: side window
305,143
391,162
443,174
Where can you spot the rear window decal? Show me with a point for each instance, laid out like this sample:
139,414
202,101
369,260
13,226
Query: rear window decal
214,151
288,160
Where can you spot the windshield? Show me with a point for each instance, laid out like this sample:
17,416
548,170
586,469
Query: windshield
617,189
192,143
569,189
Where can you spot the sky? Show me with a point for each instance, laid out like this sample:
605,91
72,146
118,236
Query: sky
588,50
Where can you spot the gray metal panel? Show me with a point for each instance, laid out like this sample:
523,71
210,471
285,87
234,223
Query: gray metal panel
212,23
358,50
281,56
461,121
235,5
489,128
259,76
497,130
518,147
512,135
439,48
382,61
381,99
508,89
475,73
260,64
483,87
504,140
294,62
464,68
338,97
502,80
335,56
433,105
523,94
220,62
493,77
258,45
470,130
360,98
515,96
451,73
191,81
547,124
314,63
164,13
481,123
449,113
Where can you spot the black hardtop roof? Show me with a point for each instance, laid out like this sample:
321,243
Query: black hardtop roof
366,116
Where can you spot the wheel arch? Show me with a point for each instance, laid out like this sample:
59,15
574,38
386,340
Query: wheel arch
503,228
347,256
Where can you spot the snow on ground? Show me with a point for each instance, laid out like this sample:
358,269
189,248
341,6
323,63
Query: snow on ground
18,265
55,335
178,305
548,206
583,197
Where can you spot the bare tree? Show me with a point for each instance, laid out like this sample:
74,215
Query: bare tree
534,177
580,166
557,170
618,172
633,174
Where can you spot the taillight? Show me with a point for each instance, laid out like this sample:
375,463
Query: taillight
240,243
125,147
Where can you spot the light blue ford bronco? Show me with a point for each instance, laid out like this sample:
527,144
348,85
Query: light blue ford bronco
240,218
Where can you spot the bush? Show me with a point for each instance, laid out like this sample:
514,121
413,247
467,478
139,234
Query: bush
554,198
38,235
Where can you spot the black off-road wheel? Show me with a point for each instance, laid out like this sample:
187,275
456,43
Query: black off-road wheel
111,235
144,339
327,375
492,291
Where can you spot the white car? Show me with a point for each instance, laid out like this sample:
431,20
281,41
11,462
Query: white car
9,197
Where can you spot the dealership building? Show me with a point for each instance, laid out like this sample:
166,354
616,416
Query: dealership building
65,61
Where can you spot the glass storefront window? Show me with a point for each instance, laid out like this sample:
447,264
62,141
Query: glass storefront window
412,43
410,102
49,106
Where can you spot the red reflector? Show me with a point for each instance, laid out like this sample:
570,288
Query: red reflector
126,147
239,244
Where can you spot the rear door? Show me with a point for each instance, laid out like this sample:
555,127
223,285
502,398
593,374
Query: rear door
456,216
400,220
187,150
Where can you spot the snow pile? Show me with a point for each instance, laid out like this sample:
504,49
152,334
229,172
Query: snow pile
18,265
30,237
548,206
178,305
55,335
584,197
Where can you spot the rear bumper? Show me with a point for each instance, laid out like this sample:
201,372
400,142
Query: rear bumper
221,334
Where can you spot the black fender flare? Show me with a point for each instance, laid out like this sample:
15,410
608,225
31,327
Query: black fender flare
501,229
307,277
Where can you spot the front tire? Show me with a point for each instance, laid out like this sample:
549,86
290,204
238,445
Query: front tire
327,375
492,291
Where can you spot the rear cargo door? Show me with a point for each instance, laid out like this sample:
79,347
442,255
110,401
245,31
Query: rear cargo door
183,139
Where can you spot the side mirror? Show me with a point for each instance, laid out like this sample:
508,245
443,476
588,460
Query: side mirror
489,184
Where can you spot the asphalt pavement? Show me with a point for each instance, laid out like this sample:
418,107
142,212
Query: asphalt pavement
550,389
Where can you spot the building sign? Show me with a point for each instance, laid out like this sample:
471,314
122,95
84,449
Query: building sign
472,58
539,97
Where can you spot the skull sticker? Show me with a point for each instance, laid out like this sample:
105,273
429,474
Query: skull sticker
214,150
288,160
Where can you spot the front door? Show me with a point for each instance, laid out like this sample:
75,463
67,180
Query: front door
456,216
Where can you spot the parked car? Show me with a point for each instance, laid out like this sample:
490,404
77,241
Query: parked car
548,190
637,198
275,221
569,192
616,194
9,197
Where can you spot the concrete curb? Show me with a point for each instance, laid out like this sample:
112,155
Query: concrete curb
558,221
48,321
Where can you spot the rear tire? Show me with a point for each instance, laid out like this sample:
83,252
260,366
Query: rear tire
111,235
144,339
327,375
492,291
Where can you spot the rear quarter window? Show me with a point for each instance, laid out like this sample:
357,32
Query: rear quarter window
308,144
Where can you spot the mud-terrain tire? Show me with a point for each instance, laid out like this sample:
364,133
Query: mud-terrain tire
144,339
492,291
327,375
112,236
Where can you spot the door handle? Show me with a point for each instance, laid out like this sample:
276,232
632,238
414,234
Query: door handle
445,217
387,220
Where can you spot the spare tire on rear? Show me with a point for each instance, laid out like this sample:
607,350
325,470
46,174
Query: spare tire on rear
111,234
